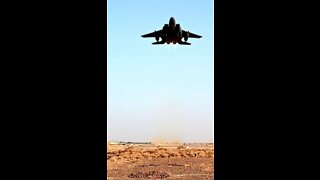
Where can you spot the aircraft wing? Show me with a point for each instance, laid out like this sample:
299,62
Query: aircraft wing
153,34
191,35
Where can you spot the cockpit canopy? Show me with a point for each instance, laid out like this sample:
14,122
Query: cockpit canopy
172,23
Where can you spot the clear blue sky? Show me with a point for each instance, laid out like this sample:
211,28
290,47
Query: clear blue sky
159,92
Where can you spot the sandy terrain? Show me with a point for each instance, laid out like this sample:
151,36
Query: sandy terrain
149,161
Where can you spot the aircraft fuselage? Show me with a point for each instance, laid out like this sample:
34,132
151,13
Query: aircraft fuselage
172,32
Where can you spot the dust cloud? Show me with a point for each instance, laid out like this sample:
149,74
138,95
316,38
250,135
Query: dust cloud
169,119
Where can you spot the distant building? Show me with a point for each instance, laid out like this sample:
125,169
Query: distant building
126,143
114,142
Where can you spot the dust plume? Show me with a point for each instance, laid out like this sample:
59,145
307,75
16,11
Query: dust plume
169,119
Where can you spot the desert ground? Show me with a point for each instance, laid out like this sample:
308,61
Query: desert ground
160,161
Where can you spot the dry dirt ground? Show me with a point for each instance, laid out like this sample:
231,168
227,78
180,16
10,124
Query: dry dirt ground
141,161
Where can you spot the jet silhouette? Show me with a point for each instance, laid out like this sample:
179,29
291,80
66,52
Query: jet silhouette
171,33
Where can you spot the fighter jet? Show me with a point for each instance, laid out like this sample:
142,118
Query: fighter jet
171,33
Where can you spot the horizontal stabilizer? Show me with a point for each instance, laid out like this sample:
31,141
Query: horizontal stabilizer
158,43
184,43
